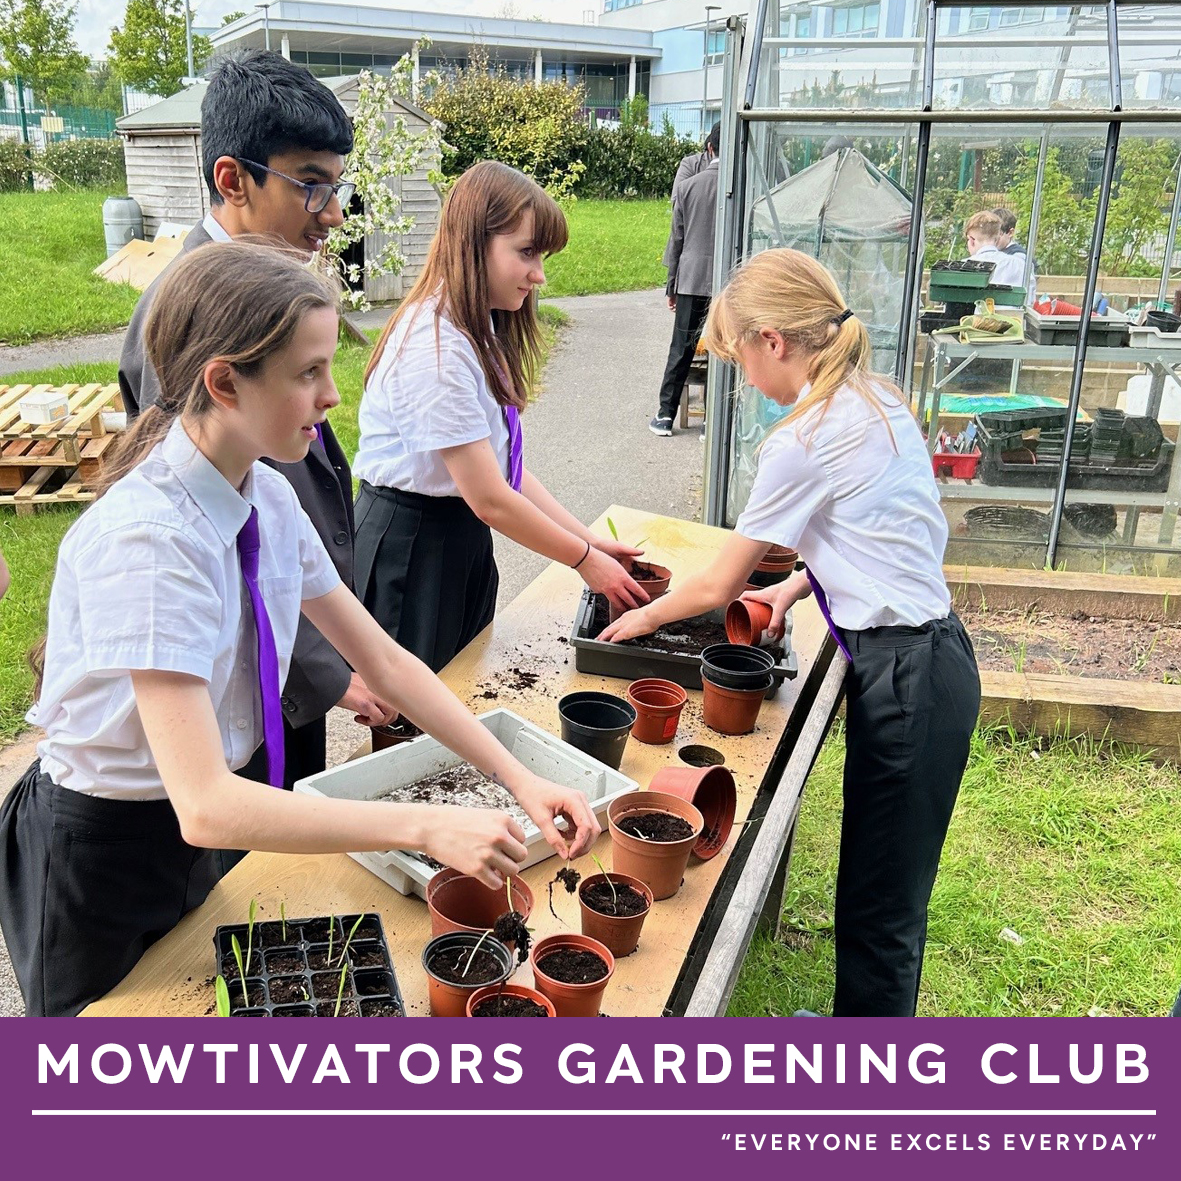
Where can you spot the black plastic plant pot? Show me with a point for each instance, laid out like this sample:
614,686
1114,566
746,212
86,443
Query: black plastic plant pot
449,997
765,578
296,977
736,666
598,724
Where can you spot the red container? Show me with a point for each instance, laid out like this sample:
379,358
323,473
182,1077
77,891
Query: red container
960,465
658,707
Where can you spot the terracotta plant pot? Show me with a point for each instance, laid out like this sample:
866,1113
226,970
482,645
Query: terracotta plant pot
449,998
660,865
712,792
654,586
571,1000
530,994
731,711
597,724
618,933
777,559
403,730
458,902
658,707
747,621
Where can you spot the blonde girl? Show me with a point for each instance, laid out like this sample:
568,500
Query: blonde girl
149,710
846,481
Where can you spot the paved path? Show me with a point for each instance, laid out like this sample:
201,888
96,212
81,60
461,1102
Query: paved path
586,438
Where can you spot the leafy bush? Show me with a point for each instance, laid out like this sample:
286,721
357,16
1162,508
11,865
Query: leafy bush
84,163
489,115
14,166
630,161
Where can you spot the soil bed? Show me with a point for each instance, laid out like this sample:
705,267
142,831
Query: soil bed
508,1006
449,965
685,637
347,1009
658,827
1076,645
462,785
624,903
572,966
288,990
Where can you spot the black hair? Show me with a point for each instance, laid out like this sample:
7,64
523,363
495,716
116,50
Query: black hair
259,105
715,137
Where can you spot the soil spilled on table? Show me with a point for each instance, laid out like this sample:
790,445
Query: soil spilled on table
1076,645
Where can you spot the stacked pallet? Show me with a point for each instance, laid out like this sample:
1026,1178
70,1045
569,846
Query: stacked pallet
57,462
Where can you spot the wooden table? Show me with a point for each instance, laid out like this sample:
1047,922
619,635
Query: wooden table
531,634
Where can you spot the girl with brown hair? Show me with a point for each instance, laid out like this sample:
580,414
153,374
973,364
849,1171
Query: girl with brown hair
149,707
441,455
847,482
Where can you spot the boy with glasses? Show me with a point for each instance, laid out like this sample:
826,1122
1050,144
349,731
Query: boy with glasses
273,145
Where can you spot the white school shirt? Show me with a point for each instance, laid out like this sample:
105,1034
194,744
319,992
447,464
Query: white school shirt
424,396
864,516
1009,270
149,578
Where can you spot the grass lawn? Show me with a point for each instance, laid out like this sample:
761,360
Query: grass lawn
614,246
55,242
1071,846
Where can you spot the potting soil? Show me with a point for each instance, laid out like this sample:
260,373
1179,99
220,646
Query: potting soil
573,965
510,929
685,637
347,1009
656,826
450,963
509,1006
462,785
626,901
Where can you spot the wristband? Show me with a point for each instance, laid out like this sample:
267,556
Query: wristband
583,558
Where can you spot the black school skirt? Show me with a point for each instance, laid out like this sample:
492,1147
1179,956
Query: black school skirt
87,885
424,569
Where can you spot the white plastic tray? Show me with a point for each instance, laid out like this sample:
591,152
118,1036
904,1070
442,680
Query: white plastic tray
547,756
1144,336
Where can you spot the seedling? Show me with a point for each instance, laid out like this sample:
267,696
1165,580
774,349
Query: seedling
607,876
222,992
569,877
471,957
250,929
237,949
343,973
344,951
615,534
283,919
510,927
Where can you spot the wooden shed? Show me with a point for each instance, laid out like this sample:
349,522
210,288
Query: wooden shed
162,150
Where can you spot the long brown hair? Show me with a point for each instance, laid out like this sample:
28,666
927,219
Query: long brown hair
797,296
239,302
488,199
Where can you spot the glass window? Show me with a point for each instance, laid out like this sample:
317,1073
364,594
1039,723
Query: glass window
978,19
861,20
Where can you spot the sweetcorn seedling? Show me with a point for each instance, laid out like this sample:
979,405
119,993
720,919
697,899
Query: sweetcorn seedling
222,992
283,919
340,990
479,943
236,947
344,951
250,928
603,871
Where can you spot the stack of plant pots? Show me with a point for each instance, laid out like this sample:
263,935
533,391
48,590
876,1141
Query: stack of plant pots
734,681
652,835
776,565
747,621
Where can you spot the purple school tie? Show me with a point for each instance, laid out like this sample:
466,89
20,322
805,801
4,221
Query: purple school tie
320,433
268,658
822,603
516,447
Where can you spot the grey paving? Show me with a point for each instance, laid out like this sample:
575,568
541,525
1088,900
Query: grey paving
46,353
586,439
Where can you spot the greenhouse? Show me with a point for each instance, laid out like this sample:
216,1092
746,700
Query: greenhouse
1050,401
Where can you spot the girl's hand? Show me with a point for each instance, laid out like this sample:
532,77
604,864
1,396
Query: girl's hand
545,801
780,599
604,575
478,841
623,554
628,626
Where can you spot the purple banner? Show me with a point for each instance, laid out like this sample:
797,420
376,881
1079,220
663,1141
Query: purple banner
985,1097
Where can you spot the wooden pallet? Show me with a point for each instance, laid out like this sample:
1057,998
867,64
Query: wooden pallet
53,463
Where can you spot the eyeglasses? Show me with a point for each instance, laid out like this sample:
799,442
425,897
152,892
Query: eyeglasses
316,196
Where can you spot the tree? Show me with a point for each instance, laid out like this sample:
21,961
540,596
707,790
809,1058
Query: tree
1138,215
37,45
148,52
230,17
98,88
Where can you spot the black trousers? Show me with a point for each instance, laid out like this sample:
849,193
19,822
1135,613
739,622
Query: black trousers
305,752
425,570
912,697
87,886
688,322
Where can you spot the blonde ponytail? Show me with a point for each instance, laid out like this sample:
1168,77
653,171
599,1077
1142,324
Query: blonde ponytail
794,294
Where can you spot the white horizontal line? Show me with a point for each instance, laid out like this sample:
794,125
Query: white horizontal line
746,1114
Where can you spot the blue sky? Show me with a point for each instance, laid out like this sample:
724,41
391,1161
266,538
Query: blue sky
95,17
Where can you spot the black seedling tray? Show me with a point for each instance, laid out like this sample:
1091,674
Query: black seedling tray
296,969
631,662
1065,329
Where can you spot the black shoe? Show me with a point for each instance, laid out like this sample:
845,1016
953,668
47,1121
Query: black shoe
661,426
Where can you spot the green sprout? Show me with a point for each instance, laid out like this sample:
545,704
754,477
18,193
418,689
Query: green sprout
283,919
340,991
250,929
237,949
223,996
331,932
611,526
345,950
603,871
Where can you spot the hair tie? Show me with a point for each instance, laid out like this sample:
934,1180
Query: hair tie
839,320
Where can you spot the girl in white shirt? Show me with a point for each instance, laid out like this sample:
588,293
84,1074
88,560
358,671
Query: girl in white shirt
847,482
161,673
440,457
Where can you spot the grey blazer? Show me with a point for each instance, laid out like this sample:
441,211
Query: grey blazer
688,168
319,675
691,247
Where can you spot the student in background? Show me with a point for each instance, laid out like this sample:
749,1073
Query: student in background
982,231
273,143
441,458
846,481
149,712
